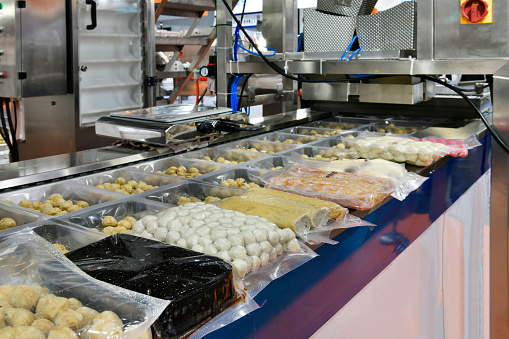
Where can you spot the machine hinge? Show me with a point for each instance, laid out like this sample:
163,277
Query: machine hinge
22,4
150,81
22,75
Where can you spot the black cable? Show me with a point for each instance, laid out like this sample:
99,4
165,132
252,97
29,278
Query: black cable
15,117
202,95
467,99
15,156
4,129
244,87
243,10
275,67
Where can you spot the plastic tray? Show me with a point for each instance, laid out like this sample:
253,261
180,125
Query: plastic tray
399,127
287,138
264,147
92,217
69,190
153,179
20,215
334,141
312,131
249,175
229,155
190,188
163,164
324,153
270,163
337,125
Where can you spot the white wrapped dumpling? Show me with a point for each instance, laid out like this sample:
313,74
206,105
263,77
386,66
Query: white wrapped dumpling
23,297
69,318
49,305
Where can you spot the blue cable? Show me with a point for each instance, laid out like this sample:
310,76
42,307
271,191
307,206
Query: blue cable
233,93
300,41
348,49
265,55
353,54
236,44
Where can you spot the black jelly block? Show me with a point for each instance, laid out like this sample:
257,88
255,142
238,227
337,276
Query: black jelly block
197,285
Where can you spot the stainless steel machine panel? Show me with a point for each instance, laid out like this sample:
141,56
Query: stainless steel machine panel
454,40
33,48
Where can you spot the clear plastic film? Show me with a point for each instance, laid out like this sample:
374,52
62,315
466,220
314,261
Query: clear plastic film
27,259
399,148
406,182
349,190
199,287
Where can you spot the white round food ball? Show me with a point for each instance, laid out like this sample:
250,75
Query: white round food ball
286,235
225,221
138,227
185,220
256,262
182,242
279,249
266,246
274,237
204,241
195,223
273,254
160,233
199,215
146,234
254,249
240,266
147,218
223,244
192,240
249,263
187,232
260,235
233,230
217,234
203,230
174,225
172,237
238,252
210,249
213,224
183,212
293,246
151,226
197,248
237,239
264,257
225,255
249,238
163,221
237,223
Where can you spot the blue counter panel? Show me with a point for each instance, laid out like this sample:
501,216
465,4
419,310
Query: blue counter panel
299,303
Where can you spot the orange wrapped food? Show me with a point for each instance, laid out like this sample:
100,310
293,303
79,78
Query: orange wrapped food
355,191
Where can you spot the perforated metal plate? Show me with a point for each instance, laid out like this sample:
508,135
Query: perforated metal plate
326,32
393,29
340,7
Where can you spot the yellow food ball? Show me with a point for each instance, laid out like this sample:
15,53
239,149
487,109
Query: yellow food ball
25,203
55,197
125,224
120,181
6,223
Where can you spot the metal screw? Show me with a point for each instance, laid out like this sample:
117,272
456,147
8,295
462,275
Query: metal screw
83,68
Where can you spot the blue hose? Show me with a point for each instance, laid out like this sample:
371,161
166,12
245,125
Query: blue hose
265,55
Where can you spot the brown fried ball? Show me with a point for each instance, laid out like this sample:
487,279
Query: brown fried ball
59,247
23,297
55,197
131,220
5,290
125,224
88,314
109,221
19,317
69,318
25,203
59,332
73,208
82,204
104,329
6,223
8,332
28,332
49,306
43,325
40,290
109,316
74,304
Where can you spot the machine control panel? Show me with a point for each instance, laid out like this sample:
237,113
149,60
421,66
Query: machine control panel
33,48
476,12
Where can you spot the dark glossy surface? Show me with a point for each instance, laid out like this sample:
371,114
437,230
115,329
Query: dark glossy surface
299,303
198,285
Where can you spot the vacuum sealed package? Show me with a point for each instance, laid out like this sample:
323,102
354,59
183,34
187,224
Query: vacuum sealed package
309,218
399,148
349,190
43,294
405,181
198,286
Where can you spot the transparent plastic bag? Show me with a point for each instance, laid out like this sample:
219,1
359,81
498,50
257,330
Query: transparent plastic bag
406,182
27,259
322,234
349,190
399,148
198,286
